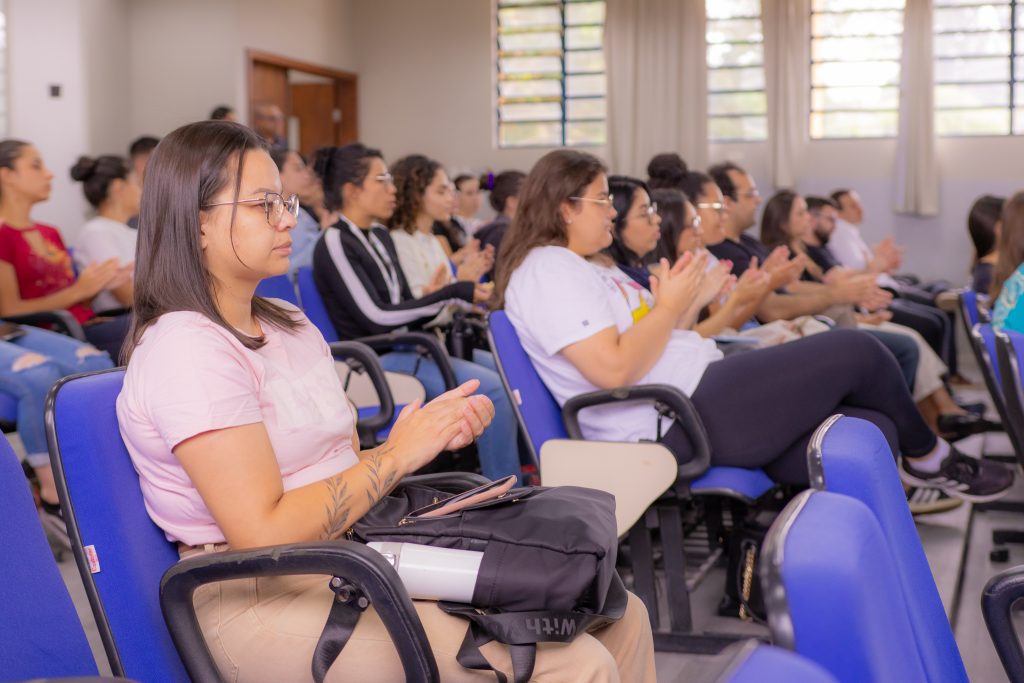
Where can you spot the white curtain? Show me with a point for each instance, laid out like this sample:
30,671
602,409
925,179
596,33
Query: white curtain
657,82
787,84
917,177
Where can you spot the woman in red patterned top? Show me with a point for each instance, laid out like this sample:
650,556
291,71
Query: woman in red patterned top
36,270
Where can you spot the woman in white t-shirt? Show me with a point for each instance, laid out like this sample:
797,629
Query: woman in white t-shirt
112,189
587,326
238,426
424,197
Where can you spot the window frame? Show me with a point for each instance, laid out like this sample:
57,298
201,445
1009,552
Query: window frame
563,99
811,111
1011,101
763,90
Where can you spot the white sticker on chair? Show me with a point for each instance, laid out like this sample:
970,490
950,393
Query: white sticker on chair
517,396
93,559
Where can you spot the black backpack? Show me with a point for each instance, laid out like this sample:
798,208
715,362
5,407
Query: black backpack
547,573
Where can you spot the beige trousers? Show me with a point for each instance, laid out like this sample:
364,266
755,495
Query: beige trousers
264,631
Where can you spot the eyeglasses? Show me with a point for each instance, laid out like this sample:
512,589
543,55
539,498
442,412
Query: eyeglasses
596,200
713,206
649,211
385,178
273,204
695,224
750,194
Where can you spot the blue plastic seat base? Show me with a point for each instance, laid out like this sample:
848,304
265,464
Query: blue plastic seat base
732,481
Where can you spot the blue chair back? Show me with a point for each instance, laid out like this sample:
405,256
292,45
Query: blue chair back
278,287
1010,357
537,411
40,635
832,593
121,553
851,457
969,308
313,304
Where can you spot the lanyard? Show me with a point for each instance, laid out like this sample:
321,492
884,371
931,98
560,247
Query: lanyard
380,256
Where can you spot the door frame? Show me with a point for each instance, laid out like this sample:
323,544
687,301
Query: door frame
346,86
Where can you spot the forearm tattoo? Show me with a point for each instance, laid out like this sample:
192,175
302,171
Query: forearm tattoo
382,478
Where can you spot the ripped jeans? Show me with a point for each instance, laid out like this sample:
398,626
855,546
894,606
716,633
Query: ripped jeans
28,381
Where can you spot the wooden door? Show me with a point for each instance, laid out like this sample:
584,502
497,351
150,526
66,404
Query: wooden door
269,83
314,106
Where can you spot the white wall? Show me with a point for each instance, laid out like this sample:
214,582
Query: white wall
135,67
44,48
188,56
426,86
425,83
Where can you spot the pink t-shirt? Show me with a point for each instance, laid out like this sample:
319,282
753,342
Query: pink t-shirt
190,376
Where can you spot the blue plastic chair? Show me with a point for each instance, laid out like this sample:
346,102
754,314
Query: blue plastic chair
832,591
313,305
124,558
1010,359
278,287
983,347
544,426
541,419
41,634
753,662
850,456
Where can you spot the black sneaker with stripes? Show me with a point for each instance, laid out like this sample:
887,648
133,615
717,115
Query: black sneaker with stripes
923,500
977,481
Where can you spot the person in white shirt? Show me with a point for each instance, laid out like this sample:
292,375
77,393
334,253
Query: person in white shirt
111,188
586,325
424,196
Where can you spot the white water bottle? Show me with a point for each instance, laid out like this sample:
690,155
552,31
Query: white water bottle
432,573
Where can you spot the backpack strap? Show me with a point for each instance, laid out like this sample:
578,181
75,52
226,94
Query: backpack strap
349,604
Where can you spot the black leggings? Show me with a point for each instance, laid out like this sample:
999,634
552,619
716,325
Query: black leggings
761,408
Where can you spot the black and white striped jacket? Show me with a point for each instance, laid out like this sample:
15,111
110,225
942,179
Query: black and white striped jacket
355,291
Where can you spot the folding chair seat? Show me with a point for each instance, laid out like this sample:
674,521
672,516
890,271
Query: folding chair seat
40,634
850,456
140,594
833,593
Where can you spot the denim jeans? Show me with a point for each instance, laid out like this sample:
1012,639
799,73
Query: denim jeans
499,453
30,385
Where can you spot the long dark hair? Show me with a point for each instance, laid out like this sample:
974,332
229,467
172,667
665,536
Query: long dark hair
339,166
981,224
10,150
623,189
413,174
538,222
96,175
187,170
775,220
672,209
1011,242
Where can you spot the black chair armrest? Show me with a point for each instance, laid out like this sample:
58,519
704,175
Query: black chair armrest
63,321
1000,594
424,343
360,356
360,565
667,399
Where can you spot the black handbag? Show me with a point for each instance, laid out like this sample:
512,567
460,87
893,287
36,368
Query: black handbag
547,572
